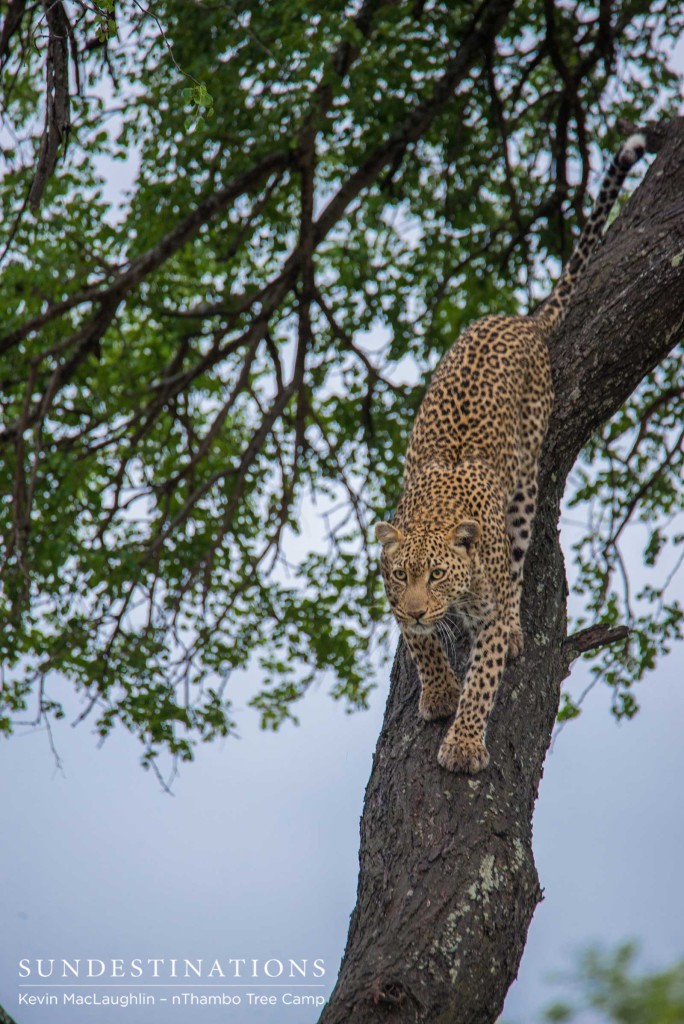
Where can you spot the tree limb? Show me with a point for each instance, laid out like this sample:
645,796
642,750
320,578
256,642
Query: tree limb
10,25
447,884
57,99
591,638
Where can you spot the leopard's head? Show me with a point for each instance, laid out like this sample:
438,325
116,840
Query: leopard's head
426,571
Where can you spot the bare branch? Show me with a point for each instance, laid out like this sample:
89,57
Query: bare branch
10,25
57,99
592,638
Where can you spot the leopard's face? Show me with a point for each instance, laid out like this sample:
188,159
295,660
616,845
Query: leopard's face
426,572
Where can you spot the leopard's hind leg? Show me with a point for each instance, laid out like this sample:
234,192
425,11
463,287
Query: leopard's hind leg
519,518
535,411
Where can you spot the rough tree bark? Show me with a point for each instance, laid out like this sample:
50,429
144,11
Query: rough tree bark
5,1017
448,884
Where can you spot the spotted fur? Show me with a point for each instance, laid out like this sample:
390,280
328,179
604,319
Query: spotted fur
462,528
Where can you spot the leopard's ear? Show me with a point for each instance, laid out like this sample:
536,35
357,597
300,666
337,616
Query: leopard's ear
466,534
388,534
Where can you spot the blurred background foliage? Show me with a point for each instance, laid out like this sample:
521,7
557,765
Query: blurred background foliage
208,376
606,987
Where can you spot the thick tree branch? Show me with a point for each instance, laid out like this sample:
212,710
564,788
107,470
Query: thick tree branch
5,1017
599,358
448,884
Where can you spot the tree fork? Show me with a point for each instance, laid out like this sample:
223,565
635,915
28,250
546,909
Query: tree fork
447,883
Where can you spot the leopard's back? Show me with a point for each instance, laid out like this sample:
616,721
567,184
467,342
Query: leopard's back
489,401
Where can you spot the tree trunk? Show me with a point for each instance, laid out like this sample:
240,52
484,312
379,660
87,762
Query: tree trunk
448,884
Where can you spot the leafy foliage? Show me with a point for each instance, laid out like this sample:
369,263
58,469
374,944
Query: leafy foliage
607,984
631,473
208,380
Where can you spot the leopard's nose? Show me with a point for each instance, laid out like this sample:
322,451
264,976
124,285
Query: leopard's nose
418,615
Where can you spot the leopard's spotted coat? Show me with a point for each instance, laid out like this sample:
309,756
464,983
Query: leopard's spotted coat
462,527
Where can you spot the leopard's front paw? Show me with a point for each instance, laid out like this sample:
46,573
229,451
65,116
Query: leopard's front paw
515,641
438,702
458,754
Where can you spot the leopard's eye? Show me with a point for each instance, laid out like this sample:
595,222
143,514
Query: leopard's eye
437,574
400,574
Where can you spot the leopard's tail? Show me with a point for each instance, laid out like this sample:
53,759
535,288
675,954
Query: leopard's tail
552,312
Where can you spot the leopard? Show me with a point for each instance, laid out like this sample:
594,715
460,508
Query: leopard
455,549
